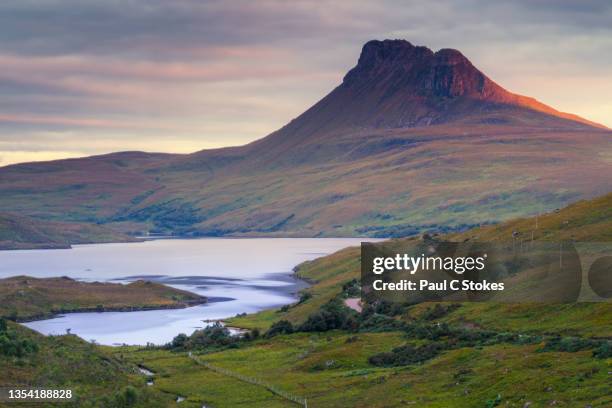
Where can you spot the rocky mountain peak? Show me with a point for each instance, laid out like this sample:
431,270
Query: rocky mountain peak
419,71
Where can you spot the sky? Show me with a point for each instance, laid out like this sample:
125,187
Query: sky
79,78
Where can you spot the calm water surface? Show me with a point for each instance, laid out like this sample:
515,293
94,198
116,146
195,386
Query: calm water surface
238,276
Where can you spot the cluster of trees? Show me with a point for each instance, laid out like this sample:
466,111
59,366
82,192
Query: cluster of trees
214,336
331,316
351,289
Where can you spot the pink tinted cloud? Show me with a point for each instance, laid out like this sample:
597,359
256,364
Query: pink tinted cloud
235,67
81,122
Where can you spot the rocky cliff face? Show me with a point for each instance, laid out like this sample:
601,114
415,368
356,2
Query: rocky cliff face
419,72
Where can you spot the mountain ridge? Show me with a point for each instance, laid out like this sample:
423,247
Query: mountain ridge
410,140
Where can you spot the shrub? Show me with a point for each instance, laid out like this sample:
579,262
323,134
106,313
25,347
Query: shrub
380,323
255,333
179,341
12,345
351,289
127,397
439,311
494,402
304,296
212,336
388,308
406,354
333,315
604,350
428,331
569,344
280,327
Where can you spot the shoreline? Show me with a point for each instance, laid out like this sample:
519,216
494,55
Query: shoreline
292,275
123,309
288,289
289,276
142,239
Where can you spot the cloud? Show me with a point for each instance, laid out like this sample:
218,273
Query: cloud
140,73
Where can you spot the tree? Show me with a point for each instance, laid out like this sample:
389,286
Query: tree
280,327
179,341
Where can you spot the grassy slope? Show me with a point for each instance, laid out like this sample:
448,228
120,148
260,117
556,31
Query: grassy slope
67,362
361,182
20,232
589,220
332,371
24,298
442,175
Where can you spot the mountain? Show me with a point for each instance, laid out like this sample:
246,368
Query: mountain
398,85
410,140
21,232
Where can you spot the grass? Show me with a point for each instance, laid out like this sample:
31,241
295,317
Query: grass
27,298
580,319
176,374
586,221
95,375
331,370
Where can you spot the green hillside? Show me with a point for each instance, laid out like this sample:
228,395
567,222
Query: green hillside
331,369
97,377
583,221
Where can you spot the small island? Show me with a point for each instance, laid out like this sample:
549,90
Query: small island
24,298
